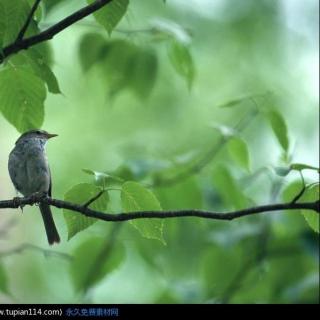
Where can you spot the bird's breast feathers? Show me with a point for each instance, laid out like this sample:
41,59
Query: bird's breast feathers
28,168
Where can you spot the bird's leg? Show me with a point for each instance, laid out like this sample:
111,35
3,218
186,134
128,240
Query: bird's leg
38,196
17,204
16,201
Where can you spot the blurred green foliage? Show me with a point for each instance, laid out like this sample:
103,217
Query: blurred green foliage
173,105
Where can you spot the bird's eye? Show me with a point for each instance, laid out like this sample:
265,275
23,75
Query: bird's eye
38,132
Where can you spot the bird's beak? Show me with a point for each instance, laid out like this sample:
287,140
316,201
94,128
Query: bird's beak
51,135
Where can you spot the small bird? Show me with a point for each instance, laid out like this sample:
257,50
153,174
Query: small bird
30,173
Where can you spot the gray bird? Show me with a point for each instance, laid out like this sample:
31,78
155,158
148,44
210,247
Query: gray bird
30,173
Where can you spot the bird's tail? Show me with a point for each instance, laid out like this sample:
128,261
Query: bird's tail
51,230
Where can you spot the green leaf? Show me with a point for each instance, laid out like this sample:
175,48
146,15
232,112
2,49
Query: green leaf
34,59
50,5
182,61
279,128
225,131
135,197
42,70
124,172
81,193
2,23
171,30
3,280
46,52
228,189
111,14
216,262
90,263
237,101
291,190
186,194
123,64
301,166
117,63
127,66
13,14
311,194
142,72
93,48
102,178
232,103
312,218
38,14
239,152
22,96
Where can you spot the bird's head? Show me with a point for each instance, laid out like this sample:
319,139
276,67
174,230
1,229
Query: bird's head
36,134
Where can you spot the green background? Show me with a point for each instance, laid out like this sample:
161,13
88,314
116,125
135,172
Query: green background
156,127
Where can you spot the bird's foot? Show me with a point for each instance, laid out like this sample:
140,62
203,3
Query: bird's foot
37,197
17,204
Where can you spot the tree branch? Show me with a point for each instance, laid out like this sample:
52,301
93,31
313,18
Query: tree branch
303,189
52,31
96,197
17,202
26,25
207,157
28,246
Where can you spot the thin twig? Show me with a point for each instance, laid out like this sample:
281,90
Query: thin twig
53,30
207,157
203,161
26,25
96,197
300,194
28,246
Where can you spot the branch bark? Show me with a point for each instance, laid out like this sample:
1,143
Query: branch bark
18,202
49,33
26,25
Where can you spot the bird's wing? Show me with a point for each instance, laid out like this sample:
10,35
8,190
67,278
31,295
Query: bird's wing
50,184
38,172
17,171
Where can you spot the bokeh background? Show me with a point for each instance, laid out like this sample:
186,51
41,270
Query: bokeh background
239,48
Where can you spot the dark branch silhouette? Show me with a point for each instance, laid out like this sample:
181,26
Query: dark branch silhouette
29,18
37,198
49,33
96,197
